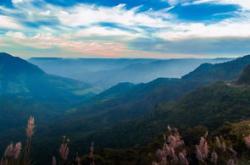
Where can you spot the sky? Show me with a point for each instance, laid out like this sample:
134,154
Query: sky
125,28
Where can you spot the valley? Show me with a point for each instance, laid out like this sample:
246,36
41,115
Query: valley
222,95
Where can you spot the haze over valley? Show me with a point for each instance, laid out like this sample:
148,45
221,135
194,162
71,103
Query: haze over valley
104,73
124,82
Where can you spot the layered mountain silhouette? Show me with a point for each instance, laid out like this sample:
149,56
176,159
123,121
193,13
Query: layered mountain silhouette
125,115
245,76
20,78
211,106
126,108
106,73
27,90
219,72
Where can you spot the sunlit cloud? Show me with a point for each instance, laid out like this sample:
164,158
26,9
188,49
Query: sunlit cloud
224,29
118,31
9,23
47,41
102,32
86,15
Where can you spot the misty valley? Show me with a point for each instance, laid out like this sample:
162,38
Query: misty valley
124,82
123,123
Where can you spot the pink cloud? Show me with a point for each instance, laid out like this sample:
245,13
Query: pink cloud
9,23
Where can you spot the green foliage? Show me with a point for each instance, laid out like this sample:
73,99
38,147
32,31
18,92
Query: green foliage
22,79
245,76
219,72
126,117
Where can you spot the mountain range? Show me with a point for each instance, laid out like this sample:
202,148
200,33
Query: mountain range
149,107
212,106
127,115
105,73
219,72
19,77
27,90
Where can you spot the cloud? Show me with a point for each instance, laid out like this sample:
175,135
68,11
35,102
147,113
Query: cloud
196,46
224,29
9,23
99,32
85,15
118,30
49,41
20,1
88,14
243,3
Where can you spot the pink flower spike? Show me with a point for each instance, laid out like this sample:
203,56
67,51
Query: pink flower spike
214,157
13,151
183,159
30,127
231,162
17,150
53,160
247,141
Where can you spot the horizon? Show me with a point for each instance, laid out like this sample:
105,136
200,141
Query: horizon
129,82
121,58
125,29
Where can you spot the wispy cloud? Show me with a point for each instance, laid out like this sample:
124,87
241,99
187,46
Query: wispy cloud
83,15
9,23
116,30
48,41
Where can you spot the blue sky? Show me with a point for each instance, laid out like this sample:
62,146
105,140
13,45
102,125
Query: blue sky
125,28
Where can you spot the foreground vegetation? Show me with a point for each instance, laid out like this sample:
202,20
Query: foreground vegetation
232,149
127,117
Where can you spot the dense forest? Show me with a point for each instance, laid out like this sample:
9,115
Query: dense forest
204,117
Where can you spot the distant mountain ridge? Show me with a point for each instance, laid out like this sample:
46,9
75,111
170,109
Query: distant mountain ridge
15,65
211,106
106,73
219,72
19,77
126,109
245,76
27,90
131,114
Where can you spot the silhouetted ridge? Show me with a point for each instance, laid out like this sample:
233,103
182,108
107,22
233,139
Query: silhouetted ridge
21,78
245,76
117,90
217,72
105,73
15,66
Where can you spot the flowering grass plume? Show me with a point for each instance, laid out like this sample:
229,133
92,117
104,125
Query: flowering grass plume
11,154
64,155
78,159
29,133
173,150
53,160
64,149
91,154
214,157
14,155
30,127
220,143
207,152
13,151
247,141
202,150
